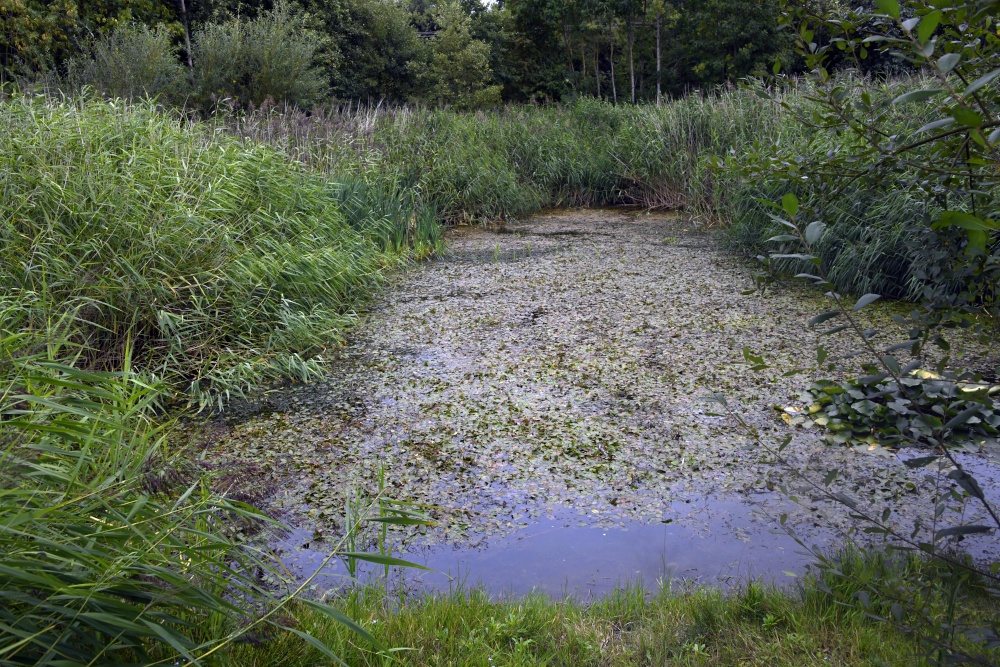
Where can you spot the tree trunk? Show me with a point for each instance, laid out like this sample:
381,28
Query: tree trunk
187,34
569,54
631,59
597,66
658,77
614,86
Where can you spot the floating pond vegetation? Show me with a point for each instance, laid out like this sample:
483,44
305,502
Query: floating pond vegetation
558,370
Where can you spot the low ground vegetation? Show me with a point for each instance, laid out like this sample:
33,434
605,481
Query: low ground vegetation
755,624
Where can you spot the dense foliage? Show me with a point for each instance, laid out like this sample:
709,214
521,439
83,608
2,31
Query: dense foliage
467,54
933,142
219,263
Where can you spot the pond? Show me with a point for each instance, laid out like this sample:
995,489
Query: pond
541,391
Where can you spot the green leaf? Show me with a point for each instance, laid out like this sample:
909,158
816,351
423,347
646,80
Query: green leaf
814,232
891,363
796,255
866,300
846,499
977,242
890,7
176,641
967,482
917,95
937,124
928,25
947,62
967,117
961,530
964,220
315,643
823,317
343,619
980,82
380,559
791,204
402,521
920,461
963,416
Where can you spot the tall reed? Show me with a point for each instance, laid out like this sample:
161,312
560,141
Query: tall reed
221,262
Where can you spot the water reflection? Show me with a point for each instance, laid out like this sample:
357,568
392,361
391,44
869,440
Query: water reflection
715,541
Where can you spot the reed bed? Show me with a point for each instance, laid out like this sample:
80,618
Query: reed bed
223,264
484,167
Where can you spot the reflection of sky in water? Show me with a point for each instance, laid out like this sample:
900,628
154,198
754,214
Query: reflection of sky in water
559,557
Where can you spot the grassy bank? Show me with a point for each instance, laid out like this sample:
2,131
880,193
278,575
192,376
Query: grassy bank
754,625
234,252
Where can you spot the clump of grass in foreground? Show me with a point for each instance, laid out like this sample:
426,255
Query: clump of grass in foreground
106,559
223,264
755,625
113,552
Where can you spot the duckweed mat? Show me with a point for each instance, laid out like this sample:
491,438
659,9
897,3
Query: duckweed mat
559,367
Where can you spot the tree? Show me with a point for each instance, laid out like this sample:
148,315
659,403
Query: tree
722,40
457,73
376,55
44,34
249,61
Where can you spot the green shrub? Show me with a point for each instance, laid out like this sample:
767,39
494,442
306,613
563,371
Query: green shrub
247,62
132,62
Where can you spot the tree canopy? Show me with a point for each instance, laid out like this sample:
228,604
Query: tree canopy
464,53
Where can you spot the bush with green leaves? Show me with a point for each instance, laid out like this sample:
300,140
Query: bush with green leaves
944,157
246,62
873,410
132,62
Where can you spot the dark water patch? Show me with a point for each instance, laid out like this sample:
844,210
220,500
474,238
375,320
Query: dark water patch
712,541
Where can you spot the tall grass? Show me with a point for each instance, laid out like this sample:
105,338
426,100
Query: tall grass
492,166
222,264
106,558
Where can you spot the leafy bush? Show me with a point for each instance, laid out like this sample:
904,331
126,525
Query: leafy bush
929,141
246,62
132,62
